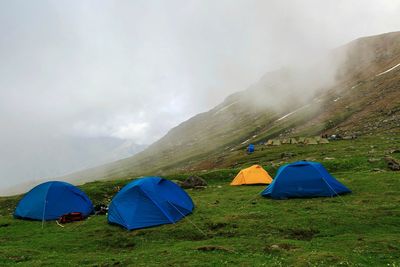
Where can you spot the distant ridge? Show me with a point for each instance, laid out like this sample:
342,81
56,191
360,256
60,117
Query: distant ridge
360,96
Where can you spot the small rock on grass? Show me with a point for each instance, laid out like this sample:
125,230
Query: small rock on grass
275,247
193,182
392,163
279,247
214,248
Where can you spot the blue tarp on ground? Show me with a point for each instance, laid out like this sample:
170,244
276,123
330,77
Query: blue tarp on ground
50,200
304,179
250,148
149,201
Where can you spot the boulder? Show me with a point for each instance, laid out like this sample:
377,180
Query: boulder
392,163
193,182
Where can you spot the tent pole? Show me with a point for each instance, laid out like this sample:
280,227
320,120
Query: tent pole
44,211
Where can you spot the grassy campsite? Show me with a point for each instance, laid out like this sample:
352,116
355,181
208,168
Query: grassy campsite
234,225
200,133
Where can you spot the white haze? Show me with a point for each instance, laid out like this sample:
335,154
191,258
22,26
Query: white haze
131,70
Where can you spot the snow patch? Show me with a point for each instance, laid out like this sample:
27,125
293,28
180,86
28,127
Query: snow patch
386,71
224,108
291,113
245,142
317,99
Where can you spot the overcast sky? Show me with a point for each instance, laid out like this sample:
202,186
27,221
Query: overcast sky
135,69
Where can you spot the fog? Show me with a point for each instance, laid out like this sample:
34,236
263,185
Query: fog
132,70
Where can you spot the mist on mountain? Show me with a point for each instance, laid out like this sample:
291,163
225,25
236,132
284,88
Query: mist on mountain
134,70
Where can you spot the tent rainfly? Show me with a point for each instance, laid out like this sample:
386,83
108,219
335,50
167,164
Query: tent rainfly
252,175
304,179
310,141
276,142
323,141
147,202
50,200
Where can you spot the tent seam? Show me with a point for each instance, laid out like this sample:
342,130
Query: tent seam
158,206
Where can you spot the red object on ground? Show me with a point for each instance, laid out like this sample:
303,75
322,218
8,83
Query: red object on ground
71,217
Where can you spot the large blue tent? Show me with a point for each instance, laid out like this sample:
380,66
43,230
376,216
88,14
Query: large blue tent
50,200
304,179
149,201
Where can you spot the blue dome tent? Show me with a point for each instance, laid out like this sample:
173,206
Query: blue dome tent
304,179
149,201
50,200
250,148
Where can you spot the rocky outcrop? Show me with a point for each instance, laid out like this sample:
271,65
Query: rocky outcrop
193,182
392,163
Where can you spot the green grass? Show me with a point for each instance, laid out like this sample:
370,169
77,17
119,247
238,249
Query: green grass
241,228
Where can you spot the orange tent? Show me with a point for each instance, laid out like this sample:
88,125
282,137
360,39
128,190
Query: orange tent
252,175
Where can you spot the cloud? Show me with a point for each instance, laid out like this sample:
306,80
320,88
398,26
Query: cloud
134,69
134,131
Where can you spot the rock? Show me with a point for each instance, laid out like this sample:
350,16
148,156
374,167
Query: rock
393,151
214,248
193,182
328,158
287,155
279,247
372,160
275,247
392,163
199,187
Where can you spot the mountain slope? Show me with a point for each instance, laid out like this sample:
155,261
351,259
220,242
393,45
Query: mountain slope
354,89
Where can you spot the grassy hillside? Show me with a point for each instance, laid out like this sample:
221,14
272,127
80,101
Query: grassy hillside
240,227
353,95
236,225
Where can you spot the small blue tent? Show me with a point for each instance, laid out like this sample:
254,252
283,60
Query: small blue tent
50,200
250,148
304,179
149,201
